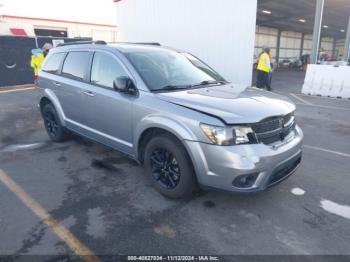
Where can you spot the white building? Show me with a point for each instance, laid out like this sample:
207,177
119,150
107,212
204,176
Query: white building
29,26
218,32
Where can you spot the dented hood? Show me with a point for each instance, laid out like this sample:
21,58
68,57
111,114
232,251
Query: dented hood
233,104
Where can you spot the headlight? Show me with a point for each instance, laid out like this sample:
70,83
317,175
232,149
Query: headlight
226,136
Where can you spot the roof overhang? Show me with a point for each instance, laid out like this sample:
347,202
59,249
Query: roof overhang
299,16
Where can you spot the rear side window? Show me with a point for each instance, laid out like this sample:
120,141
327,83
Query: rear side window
75,65
52,65
105,69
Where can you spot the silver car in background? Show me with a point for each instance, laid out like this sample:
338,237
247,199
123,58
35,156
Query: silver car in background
173,113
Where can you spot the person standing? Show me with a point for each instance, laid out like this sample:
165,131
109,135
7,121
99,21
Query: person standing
264,69
36,61
46,49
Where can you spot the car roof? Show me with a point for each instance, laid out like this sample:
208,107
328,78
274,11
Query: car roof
121,47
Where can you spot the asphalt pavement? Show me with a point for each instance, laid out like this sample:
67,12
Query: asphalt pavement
106,203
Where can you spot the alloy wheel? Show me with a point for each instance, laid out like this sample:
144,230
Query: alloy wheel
165,168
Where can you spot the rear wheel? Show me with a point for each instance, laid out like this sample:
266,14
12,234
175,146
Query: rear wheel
54,129
170,167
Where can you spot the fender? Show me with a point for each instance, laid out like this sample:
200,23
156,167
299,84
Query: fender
171,125
49,94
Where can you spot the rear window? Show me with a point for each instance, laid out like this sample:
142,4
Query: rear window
75,65
53,63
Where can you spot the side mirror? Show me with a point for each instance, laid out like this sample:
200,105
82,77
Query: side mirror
124,84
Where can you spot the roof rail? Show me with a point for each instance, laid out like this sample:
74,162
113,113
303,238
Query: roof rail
99,42
139,43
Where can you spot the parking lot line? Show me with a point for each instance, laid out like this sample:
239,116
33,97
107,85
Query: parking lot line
301,100
70,240
16,90
328,151
323,97
328,107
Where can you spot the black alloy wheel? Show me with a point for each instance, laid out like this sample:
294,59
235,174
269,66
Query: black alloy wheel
53,126
165,168
170,167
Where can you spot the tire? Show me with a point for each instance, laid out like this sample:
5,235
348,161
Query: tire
178,178
53,126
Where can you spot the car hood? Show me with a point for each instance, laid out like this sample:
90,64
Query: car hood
233,104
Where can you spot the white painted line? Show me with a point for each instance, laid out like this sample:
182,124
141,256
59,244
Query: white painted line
14,148
328,107
16,90
334,208
327,151
323,97
297,191
301,100
64,234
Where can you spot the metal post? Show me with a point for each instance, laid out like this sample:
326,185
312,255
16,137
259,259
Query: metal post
36,42
347,44
317,31
278,47
302,44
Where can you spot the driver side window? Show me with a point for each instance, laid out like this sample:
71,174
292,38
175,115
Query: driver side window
105,68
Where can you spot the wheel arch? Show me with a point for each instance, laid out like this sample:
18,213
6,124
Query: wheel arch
150,132
50,97
156,125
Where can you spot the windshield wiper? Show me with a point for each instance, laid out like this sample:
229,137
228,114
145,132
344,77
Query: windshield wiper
209,82
171,88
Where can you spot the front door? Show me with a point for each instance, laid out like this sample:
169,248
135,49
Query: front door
108,113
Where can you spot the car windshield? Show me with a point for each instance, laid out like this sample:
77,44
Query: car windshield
169,70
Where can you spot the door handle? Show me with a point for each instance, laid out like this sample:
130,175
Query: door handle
89,93
57,83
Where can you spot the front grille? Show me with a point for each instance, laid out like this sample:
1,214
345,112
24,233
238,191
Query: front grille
268,125
284,170
273,129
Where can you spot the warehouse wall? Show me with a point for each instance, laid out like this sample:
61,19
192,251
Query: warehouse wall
265,36
290,43
340,44
222,34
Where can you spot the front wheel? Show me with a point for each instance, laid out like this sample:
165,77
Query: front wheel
54,129
170,167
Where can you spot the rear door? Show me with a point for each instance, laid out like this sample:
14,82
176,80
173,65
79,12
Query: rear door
107,112
70,86
49,75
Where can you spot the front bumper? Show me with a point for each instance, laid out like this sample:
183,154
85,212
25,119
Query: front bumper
218,167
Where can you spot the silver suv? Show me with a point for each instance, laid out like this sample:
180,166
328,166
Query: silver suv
170,111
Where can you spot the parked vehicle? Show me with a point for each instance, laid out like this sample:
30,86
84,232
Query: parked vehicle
290,63
173,113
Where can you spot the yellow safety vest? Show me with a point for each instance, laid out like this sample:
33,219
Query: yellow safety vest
36,62
262,65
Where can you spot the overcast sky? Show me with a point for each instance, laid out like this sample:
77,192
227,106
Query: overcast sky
94,11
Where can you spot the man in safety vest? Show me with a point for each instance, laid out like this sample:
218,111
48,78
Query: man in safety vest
36,61
264,69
